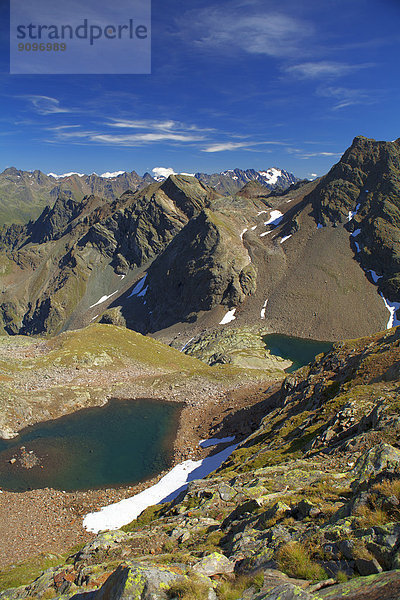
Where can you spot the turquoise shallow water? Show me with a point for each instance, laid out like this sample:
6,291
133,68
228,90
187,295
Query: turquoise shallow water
300,351
123,442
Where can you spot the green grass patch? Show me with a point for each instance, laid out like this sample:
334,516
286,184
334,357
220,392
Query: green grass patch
145,518
29,570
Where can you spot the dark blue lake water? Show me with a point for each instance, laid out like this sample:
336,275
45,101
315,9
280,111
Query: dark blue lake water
123,442
300,351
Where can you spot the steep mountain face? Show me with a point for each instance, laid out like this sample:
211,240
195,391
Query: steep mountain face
23,194
204,266
299,280
363,190
306,507
76,250
254,189
231,181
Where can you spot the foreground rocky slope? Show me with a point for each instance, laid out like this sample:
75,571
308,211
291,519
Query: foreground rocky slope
308,500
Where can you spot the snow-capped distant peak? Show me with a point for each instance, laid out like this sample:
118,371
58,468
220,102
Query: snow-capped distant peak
109,175
65,175
271,175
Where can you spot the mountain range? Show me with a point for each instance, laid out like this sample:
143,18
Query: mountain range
319,260
24,194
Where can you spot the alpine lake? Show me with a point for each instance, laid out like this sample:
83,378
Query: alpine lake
300,351
121,443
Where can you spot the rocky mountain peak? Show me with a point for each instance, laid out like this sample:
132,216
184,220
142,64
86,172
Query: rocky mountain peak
187,193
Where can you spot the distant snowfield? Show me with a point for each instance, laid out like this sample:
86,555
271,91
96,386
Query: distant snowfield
271,175
169,487
230,316
106,175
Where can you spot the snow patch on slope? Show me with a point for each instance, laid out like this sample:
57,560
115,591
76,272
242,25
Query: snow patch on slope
169,487
274,218
230,316
392,307
264,308
103,299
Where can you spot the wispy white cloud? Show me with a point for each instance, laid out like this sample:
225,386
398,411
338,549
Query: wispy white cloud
320,69
320,154
143,124
300,153
143,138
345,97
248,145
46,105
136,139
62,127
255,31
226,146
146,131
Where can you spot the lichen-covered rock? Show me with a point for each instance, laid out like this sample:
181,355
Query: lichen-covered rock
214,564
383,586
380,460
113,316
134,582
102,542
285,591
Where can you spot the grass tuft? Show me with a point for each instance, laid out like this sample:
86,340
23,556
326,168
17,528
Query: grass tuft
294,559
188,589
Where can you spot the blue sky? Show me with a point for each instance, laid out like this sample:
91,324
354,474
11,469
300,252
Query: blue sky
237,83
